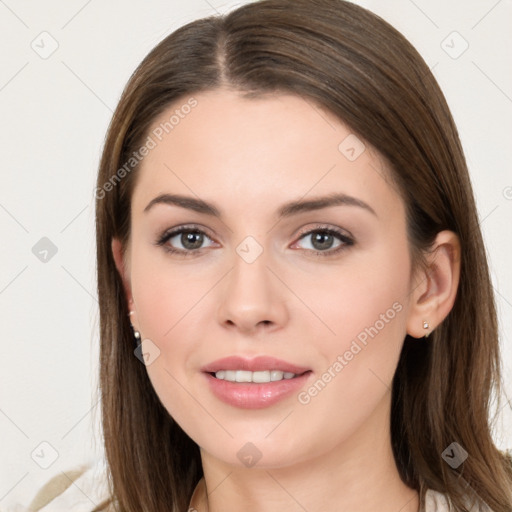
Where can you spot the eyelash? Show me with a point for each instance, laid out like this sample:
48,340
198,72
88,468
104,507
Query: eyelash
167,235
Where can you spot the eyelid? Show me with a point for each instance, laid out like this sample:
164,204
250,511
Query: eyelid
326,227
185,227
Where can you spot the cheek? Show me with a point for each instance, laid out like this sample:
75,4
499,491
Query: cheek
166,292
171,301
364,305
364,298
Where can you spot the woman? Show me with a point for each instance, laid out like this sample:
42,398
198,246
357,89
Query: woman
295,304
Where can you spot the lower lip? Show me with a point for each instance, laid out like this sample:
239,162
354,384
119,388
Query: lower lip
252,395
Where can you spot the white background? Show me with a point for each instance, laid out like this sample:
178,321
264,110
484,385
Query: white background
55,113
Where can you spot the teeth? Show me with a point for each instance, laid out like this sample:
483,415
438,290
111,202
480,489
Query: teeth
276,375
246,376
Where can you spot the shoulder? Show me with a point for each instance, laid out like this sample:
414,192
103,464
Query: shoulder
438,502
79,489
435,502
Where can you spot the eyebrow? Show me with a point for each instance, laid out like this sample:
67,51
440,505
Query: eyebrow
286,210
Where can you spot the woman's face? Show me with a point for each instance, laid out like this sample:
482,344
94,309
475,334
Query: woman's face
324,288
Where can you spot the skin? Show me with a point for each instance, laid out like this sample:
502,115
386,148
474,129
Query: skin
248,157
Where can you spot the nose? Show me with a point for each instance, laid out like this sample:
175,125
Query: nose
252,298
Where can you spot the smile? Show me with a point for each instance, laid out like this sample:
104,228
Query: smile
258,377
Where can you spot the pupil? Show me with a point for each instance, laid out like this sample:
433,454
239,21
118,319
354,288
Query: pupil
324,240
187,239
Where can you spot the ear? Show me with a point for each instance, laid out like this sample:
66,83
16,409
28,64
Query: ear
434,289
123,269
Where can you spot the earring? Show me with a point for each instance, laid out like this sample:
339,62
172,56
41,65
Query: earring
426,326
136,336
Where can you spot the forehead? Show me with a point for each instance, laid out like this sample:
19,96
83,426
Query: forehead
257,152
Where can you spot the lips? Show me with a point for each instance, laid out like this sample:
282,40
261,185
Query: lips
256,364
254,395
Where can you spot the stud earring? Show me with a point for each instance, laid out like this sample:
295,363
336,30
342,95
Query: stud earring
426,326
136,334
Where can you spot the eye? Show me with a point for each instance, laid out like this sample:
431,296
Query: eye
188,241
326,241
185,240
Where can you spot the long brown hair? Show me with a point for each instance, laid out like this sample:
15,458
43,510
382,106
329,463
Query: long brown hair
344,58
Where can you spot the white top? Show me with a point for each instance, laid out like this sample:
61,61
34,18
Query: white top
87,487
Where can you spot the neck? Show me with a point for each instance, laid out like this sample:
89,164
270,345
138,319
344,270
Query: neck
359,474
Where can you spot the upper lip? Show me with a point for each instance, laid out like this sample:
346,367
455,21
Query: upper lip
260,363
